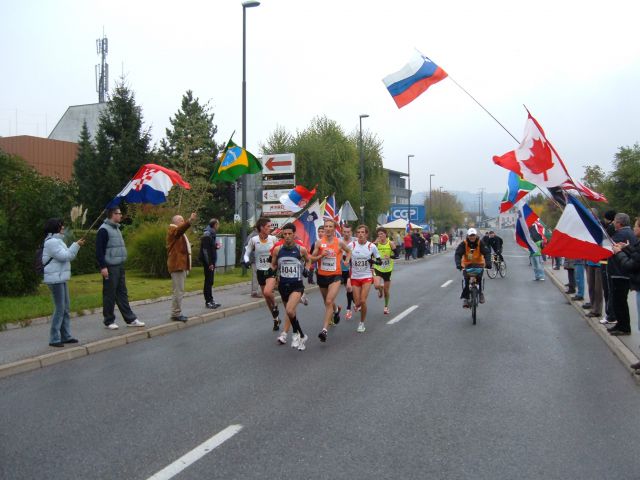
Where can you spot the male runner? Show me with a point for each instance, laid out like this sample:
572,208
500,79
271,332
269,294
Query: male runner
346,280
261,245
328,252
363,256
288,259
383,271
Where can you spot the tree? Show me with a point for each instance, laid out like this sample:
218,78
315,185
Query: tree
27,200
447,211
624,181
190,149
86,172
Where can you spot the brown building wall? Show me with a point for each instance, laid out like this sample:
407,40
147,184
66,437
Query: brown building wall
53,158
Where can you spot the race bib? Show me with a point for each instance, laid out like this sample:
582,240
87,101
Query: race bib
263,262
290,271
328,264
385,262
361,265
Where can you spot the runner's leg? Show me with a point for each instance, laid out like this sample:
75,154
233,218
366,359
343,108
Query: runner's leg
329,302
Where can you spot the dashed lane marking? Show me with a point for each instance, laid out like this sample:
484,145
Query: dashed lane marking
445,284
196,454
402,315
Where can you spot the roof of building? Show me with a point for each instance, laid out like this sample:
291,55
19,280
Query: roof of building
69,126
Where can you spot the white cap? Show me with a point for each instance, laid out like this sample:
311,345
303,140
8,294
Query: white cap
471,231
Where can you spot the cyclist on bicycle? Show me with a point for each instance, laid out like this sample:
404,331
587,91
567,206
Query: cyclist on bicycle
472,253
494,242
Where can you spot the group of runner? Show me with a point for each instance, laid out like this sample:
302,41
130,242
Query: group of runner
357,263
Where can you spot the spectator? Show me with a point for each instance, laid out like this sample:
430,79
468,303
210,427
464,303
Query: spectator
111,254
407,246
444,238
178,261
594,287
570,268
56,258
618,278
610,316
536,262
427,242
209,257
435,241
414,244
421,247
578,266
628,258
398,242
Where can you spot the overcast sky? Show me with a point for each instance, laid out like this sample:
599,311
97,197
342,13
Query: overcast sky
575,65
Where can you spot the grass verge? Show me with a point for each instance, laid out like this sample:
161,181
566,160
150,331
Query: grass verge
86,292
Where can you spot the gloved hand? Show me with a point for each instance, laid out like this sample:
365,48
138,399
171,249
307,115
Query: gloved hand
270,272
305,272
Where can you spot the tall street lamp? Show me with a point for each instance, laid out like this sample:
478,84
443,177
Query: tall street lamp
409,157
430,204
364,115
243,181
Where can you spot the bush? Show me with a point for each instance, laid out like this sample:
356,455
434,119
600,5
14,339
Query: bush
147,250
85,262
27,200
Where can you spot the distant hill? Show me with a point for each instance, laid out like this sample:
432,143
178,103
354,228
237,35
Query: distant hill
469,201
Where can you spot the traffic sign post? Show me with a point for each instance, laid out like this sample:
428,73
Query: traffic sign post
278,178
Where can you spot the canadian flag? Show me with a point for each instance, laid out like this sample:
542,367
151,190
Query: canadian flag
536,161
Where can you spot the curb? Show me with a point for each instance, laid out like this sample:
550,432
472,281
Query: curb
92,348
619,349
89,311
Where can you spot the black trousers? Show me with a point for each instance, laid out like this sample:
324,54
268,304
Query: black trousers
606,289
114,292
619,294
208,284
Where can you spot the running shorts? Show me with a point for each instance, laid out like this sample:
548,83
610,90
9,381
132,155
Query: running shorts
325,280
358,282
263,275
386,276
285,290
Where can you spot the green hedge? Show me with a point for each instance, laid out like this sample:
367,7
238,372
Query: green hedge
85,262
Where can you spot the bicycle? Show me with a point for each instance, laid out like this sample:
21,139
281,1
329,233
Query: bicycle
497,266
474,290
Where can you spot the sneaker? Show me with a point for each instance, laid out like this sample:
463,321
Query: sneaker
386,310
212,305
604,321
112,326
295,340
348,315
276,324
135,323
336,315
360,328
282,339
304,300
301,343
481,297
323,335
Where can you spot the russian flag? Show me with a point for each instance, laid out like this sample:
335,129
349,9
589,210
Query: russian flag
523,236
297,198
413,79
150,185
530,217
578,235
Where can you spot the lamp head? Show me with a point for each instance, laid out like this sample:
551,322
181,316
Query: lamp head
364,115
250,3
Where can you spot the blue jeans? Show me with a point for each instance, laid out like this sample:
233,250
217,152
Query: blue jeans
538,267
60,320
579,273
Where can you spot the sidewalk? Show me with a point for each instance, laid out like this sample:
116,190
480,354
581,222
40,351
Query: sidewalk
626,348
24,349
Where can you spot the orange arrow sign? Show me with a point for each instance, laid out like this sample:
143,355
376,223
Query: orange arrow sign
271,163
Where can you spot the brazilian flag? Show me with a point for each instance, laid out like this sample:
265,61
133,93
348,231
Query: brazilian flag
234,162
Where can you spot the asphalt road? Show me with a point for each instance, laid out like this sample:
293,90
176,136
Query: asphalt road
528,392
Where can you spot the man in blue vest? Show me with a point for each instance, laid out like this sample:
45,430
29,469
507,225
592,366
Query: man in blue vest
111,255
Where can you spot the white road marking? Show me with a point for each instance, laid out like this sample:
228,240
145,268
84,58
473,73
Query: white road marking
196,454
402,315
446,283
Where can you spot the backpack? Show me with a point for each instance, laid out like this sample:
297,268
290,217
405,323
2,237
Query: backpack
38,266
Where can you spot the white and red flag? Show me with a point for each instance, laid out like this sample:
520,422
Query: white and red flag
150,185
536,161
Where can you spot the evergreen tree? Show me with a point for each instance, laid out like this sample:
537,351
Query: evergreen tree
191,150
86,173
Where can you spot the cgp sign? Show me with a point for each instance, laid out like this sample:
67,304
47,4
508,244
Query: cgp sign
415,213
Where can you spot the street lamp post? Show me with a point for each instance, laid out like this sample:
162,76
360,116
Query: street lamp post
430,204
409,157
243,180
364,115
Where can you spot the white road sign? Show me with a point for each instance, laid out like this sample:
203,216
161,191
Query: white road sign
278,209
273,195
281,163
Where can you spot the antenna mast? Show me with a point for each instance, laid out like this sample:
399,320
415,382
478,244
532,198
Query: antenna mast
102,70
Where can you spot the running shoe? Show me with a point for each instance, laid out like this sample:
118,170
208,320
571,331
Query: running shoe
304,300
356,309
276,324
336,315
348,315
323,335
386,310
295,340
361,328
282,339
301,343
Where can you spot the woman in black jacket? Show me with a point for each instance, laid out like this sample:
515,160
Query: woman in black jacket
628,257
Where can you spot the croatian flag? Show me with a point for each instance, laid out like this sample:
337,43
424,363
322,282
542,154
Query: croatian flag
297,199
578,235
413,79
150,185
523,235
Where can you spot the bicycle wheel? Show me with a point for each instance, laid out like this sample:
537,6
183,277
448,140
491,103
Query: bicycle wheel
503,269
493,271
474,303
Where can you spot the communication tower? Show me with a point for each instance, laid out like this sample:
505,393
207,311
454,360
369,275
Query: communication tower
102,70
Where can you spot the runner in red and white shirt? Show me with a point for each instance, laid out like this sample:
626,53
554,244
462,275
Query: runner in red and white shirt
363,256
